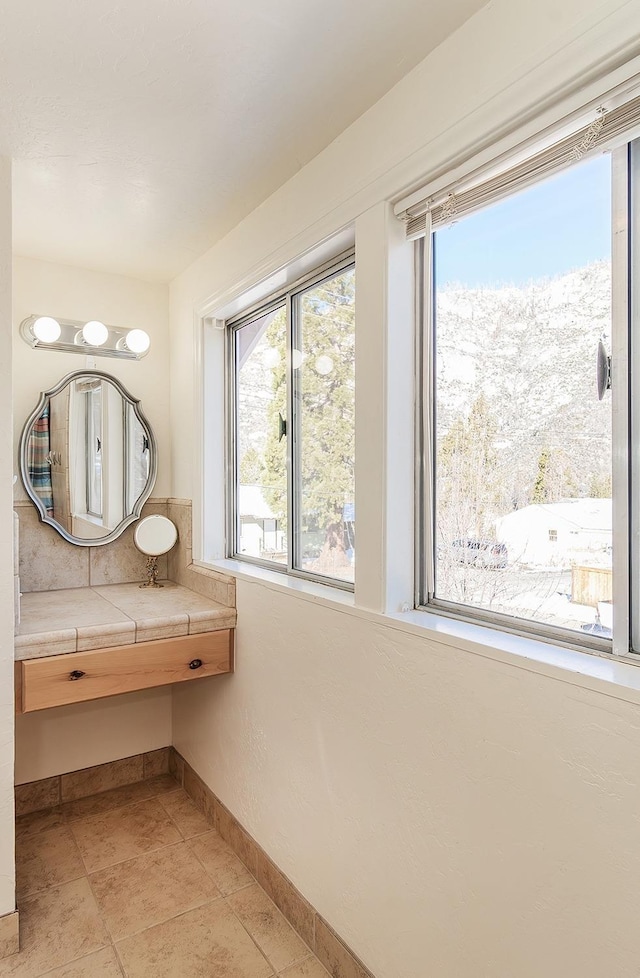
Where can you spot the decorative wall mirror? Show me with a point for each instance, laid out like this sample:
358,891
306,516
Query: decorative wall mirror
88,458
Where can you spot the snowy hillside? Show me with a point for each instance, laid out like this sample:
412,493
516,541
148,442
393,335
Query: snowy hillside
531,352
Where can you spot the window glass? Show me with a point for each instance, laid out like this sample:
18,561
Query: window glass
261,459
138,457
293,429
522,295
94,451
324,378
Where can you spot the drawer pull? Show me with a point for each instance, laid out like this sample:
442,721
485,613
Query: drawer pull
76,674
195,663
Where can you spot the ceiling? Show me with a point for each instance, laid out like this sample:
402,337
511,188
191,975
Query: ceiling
142,131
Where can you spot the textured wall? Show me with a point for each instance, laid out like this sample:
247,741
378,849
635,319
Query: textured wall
48,562
69,738
7,876
448,814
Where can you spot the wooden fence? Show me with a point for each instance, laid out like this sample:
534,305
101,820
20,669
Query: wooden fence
590,585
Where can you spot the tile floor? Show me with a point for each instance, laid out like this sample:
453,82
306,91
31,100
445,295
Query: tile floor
134,882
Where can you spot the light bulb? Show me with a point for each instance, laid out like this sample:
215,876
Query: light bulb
138,341
297,356
95,333
46,329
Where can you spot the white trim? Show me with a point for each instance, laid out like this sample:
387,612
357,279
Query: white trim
209,519
620,393
246,571
199,448
371,463
274,276
634,529
601,673
540,132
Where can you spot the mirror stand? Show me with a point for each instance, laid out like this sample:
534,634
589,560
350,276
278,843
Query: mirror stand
152,573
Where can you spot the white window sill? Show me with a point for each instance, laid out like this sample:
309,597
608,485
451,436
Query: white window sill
607,675
245,571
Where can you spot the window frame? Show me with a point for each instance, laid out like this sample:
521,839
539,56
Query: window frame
289,299
625,419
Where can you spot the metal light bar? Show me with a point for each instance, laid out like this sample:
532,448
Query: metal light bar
70,339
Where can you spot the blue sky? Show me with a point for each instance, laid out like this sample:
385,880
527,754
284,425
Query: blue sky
560,224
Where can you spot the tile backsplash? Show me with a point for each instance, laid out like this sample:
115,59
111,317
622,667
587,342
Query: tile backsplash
181,569
47,562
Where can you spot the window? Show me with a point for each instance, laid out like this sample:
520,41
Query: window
137,462
94,450
292,366
525,474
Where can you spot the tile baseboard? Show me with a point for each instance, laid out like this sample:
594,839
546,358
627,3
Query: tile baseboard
334,954
49,792
9,934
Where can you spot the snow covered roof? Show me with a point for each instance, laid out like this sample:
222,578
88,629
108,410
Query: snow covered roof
586,514
251,502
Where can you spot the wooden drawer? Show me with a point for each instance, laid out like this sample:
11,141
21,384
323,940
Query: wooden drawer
62,679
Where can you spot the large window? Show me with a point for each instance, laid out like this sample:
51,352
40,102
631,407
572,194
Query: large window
292,364
525,476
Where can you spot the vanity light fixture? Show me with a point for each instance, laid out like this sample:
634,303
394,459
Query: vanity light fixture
89,338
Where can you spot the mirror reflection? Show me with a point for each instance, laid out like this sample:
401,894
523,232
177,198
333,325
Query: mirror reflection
88,458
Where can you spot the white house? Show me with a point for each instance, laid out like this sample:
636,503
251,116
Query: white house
558,533
260,534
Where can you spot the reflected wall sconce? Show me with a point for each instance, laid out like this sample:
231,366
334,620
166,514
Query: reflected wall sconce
92,338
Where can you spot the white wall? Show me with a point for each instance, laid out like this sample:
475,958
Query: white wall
46,288
7,869
56,741
448,814
69,738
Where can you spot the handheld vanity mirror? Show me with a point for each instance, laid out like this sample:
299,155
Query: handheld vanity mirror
153,536
88,458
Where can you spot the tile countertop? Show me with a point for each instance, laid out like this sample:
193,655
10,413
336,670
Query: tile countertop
84,618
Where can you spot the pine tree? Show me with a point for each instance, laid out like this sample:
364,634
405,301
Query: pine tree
540,488
324,392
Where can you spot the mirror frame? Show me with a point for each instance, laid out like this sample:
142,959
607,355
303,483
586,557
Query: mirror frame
45,396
